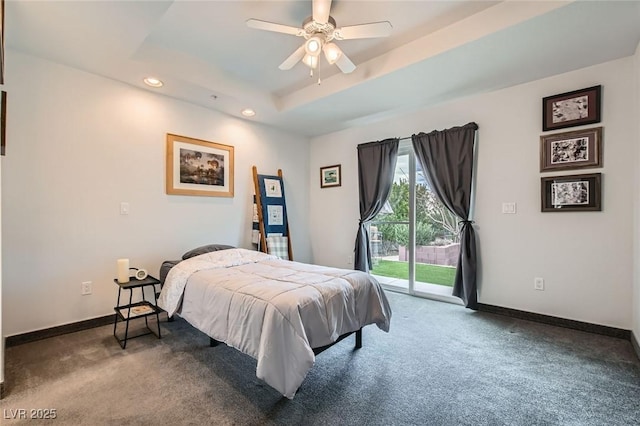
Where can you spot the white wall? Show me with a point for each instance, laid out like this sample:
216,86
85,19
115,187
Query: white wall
636,251
78,145
585,257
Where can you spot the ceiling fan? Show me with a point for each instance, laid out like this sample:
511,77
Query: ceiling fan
319,30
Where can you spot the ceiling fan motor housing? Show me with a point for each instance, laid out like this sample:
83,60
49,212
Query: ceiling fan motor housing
324,31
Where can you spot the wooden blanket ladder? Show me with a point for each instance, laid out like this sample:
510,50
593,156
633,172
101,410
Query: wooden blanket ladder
271,212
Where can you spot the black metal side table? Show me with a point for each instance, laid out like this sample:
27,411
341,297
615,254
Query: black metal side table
142,309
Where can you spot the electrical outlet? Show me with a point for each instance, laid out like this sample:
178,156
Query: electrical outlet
350,260
538,283
86,288
509,208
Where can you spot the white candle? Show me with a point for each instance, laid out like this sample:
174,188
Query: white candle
123,270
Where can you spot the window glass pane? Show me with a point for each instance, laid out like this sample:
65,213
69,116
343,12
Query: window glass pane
389,231
437,246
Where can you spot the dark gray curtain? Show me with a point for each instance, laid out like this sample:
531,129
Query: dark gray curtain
446,158
376,166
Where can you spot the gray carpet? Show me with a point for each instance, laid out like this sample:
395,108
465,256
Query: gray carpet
441,364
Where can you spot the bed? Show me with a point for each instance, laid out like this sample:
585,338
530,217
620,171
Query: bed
279,312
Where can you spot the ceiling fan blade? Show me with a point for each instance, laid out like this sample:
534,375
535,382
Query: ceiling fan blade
271,26
345,64
321,9
293,59
372,30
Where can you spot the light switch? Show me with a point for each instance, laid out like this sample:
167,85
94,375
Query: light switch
124,208
509,208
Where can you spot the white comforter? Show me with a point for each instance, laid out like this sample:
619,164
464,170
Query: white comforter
273,310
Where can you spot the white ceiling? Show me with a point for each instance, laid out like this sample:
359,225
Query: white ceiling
438,51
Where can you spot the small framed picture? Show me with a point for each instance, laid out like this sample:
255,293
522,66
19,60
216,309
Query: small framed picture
1,41
571,150
3,122
330,176
571,193
571,108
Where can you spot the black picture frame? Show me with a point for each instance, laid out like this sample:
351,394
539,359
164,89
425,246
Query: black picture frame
571,193
579,149
3,122
1,41
571,109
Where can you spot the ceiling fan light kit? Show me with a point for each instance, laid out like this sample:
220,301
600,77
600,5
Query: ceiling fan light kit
318,31
310,61
331,52
313,46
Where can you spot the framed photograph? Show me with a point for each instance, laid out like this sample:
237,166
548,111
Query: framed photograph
571,150
571,109
3,122
571,193
197,167
272,188
330,176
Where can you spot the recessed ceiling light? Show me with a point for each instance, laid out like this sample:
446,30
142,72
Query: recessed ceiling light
153,82
248,112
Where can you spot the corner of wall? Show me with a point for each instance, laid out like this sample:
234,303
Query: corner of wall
635,344
635,329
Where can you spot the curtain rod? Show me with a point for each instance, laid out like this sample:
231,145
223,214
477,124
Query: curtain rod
473,123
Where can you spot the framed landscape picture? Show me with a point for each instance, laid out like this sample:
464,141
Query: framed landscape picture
330,176
571,150
571,108
197,167
571,193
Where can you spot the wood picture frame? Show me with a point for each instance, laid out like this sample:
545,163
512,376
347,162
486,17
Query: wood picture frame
198,167
330,176
571,109
579,149
571,193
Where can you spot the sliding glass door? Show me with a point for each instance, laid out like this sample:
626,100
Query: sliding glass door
414,239
391,230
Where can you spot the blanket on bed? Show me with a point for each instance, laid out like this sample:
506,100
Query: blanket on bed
273,310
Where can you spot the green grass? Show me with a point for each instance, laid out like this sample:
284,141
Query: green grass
433,274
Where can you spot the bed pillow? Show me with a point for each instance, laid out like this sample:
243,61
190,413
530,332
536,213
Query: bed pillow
166,267
205,249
